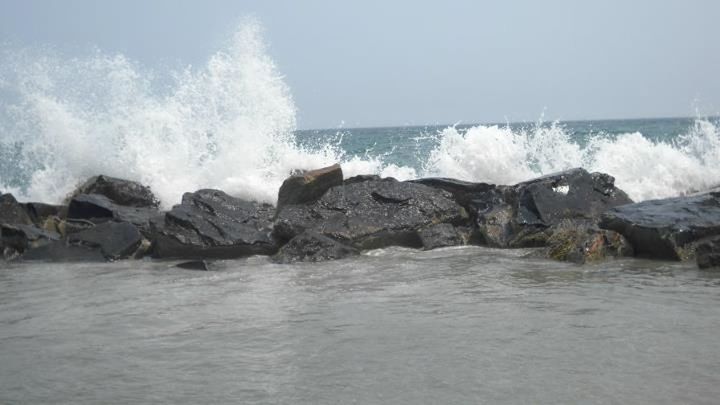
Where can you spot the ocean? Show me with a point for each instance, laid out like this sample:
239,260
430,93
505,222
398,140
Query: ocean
453,325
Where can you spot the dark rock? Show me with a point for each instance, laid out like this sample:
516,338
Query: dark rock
97,208
116,240
22,237
210,223
361,178
308,186
121,192
201,265
708,253
12,212
67,226
439,235
60,251
39,213
583,241
372,214
523,215
667,228
311,246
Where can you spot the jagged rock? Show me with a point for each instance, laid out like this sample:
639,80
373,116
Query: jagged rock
582,241
210,223
66,226
439,235
21,237
116,240
40,212
708,254
12,212
308,186
120,191
98,208
372,214
360,178
668,228
311,246
522,215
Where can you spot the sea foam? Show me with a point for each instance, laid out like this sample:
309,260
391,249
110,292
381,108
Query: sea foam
230,123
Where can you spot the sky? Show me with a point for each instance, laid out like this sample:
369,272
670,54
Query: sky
379,63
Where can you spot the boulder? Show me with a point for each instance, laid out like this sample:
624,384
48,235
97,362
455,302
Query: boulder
582,241
120,191
523,215
439,235
98,208
60,251
12,212
311,246
708,254
40,212
116,240
308,186
667,228
372,214
21,237
212,224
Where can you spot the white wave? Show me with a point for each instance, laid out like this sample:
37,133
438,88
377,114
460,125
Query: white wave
643,168
227,125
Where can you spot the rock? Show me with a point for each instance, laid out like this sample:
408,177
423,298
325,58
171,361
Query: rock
66,226
583,241
116,240
523,215
210,223
98,208
201,265
11,212
668,228
308,186
60,252
122,192
311,246
708,253
21,237
372,214
439,235
361,178
40,212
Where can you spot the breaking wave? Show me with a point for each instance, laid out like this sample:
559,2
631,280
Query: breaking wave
230,124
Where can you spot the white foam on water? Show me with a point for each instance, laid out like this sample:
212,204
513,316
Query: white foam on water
645,169
226,125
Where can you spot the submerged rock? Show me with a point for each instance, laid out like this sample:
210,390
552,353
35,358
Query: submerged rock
60,251
372,214
201,265
212,224
308,186
121,192
708,254
311,246
668,228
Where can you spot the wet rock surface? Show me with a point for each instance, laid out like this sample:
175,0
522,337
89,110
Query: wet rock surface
311,246
440,235
210,223
98,208
668,228
372,214
121,192
708,254
309,185
583,241
116,240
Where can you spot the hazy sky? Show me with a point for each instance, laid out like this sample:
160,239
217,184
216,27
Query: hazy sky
369,63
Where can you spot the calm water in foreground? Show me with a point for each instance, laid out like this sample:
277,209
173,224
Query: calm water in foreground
459,325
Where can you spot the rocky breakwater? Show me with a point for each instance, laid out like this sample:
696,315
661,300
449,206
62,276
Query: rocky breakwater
680,228
572,215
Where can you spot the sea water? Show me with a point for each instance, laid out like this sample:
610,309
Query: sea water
455,325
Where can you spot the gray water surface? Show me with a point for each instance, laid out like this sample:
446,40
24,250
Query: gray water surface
459,325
